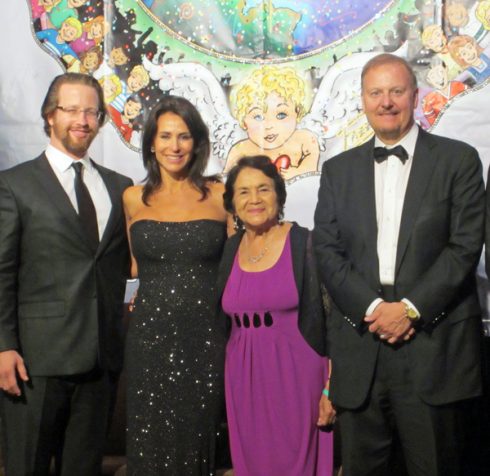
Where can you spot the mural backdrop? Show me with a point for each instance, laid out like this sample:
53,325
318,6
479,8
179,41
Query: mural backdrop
278,77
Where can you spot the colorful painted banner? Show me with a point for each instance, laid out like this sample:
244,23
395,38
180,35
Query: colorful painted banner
277,77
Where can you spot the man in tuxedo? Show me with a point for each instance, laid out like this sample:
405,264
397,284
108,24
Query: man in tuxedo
64,260
398,234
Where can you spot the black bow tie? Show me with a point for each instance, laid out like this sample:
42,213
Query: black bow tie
382,153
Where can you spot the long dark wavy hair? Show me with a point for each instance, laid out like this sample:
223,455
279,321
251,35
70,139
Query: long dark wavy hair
200,152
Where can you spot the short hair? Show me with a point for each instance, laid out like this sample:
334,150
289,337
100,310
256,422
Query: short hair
134,98
457,42
387,58
140,71
98,19
481,13
75,23
200,152
124,52
459,6
254,90
50,102
257,162
113,78
434,62
95,50
428,32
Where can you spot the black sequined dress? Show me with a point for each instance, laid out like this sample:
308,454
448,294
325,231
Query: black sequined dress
174,350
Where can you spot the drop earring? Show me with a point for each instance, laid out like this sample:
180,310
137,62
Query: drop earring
237,223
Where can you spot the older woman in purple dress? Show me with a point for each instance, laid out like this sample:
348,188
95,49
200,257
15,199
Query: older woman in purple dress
276,372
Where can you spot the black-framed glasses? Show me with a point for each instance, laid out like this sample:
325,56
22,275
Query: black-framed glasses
93,114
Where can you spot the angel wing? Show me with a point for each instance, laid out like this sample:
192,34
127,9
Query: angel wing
337,104
197,84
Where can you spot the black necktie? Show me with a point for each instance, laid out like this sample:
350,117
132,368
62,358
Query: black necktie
86,209
382,153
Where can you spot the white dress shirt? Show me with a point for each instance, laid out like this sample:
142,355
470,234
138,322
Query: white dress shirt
62,167
390,181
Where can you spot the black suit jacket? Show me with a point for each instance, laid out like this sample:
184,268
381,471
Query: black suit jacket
439,245
61,300
487,227
311,316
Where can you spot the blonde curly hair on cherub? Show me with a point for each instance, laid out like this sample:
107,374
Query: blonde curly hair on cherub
254,90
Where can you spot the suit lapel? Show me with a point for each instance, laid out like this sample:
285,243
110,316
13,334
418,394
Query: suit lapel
420,176
58,197
116,209
365,190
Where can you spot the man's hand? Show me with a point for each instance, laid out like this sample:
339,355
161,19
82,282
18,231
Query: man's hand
11,365
389,321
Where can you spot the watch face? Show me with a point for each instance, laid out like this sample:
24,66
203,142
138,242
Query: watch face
411,313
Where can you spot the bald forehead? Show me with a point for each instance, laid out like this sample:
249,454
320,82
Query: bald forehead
379,62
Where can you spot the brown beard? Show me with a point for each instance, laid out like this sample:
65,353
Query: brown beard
77,147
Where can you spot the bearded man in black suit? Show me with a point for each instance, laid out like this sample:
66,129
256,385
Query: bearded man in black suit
63,265
398,234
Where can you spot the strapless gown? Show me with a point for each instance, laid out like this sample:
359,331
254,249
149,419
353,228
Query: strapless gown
174,349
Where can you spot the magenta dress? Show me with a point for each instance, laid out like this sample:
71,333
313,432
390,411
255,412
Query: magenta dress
273,378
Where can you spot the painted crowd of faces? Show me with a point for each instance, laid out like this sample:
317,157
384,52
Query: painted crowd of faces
93,37
460,55
269,105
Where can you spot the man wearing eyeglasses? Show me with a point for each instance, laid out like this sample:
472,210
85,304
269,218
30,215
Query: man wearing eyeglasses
63,264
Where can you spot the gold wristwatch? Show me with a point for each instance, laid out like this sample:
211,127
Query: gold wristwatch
411,313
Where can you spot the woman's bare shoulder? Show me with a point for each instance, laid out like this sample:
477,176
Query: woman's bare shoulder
132,193
132,198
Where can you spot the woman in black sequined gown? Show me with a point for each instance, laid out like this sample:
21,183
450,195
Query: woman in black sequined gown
175,350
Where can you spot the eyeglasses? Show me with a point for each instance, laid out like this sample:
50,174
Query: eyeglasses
93,114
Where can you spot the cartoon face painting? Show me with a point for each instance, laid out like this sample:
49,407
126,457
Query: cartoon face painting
132,109
138,79
271,125
468,53
433,38
117,57
437,76
269,104
457,15
69,30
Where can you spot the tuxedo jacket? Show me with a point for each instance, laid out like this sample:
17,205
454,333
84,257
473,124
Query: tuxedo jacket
439,245
312,312
61,299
